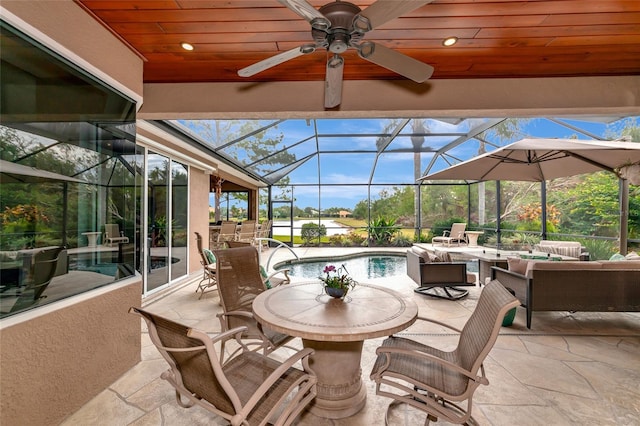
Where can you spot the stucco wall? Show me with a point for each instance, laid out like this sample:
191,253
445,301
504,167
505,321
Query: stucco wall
198,214
55,359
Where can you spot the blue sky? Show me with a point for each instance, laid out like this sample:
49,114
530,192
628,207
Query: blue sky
339,161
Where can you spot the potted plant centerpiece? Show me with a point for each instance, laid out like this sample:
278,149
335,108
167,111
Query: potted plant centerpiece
337,281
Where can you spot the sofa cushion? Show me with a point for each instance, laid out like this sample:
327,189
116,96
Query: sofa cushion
540,265
563,248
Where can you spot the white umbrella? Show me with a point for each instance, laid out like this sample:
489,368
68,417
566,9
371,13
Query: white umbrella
543,159
539,160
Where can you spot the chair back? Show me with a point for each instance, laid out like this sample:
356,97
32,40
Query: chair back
227,231
265,228
194,365
457,230
40,275
239,283
203,258
112,230
481,330
247,231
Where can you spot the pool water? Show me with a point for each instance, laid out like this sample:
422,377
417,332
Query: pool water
360,268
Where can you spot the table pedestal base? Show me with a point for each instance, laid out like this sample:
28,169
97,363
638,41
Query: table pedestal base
340,390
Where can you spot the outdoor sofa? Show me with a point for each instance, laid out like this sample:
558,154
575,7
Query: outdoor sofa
604,286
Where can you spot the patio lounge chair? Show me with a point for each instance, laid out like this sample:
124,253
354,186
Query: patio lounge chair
239,282
456,235
208,281
249,389
438,382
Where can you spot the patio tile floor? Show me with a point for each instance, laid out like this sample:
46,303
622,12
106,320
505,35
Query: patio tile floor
571,368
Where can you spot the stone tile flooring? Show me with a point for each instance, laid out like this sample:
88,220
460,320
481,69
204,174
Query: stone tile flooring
571,368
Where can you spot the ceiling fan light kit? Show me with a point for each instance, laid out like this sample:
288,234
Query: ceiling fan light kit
341,25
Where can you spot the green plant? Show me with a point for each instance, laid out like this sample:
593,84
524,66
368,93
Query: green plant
337,278
401,240
599,249
382,229
312,232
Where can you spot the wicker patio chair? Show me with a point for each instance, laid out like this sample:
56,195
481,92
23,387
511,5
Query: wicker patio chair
208,281
239,283
436,381
456,234
249,389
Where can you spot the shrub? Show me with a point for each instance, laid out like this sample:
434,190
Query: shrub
312,232
401,240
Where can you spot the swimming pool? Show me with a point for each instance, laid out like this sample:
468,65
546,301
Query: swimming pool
361,266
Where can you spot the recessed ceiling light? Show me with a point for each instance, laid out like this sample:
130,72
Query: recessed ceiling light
186,46
450,41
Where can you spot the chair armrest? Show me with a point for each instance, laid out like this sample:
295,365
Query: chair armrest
439,323
302,355
285,280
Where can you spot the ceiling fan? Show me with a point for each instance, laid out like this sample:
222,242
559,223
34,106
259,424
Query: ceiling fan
341,25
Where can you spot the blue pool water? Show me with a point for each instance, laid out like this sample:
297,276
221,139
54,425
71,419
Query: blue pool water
360,267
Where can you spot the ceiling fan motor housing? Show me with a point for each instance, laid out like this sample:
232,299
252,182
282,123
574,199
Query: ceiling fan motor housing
340,35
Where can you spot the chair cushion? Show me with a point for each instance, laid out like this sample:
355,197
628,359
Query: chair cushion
263,274
211,258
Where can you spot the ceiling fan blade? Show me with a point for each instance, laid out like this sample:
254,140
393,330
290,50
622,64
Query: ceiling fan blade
333,82
308,12
383,11
395,61
276,60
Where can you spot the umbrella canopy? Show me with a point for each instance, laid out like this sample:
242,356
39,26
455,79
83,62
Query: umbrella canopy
18,173
543,159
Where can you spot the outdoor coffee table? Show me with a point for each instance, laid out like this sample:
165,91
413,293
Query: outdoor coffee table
336,329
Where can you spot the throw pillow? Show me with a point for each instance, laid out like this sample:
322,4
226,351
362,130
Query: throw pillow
517,265
617,256
263,274
632,256
444,256
211,258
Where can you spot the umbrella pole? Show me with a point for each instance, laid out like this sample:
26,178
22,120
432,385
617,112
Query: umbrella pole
624,215
543,205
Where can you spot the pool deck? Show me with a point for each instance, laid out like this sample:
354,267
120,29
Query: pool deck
571,368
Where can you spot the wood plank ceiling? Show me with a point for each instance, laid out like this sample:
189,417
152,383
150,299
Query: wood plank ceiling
497,38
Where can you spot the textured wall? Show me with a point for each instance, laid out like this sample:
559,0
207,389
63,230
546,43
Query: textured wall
55,359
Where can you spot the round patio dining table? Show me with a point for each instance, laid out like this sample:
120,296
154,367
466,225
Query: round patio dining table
336,329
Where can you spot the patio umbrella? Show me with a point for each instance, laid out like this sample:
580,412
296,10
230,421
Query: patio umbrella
543,159
540,160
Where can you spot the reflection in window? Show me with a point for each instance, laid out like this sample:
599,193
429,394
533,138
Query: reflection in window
69,189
